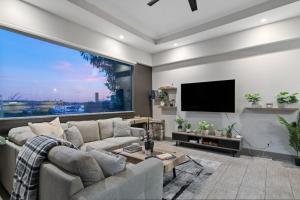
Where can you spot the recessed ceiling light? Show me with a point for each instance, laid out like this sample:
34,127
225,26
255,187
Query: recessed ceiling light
175,44
121,37
263,20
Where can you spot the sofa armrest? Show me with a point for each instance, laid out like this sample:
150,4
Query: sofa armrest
137,132
57,184
142,181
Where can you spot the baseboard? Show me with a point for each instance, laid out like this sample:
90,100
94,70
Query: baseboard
267,154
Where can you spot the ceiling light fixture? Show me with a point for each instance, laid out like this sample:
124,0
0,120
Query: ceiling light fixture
263,20
121,37
175,44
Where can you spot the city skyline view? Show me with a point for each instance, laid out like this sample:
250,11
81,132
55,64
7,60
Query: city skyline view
54,73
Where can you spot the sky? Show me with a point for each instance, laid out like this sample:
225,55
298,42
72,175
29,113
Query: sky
42,71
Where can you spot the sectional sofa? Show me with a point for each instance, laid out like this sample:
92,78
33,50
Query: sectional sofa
141,181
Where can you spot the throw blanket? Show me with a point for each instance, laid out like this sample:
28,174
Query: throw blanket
29,160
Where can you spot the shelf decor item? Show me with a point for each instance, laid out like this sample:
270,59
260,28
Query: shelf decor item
187,126
229,130
294,134
2,141
148,142
253,99
285,99
180,121
163,97
204,128
269,105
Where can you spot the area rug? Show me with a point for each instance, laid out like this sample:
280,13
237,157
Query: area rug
191,176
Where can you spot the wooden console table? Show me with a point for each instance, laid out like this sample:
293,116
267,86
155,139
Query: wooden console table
157,126
232,145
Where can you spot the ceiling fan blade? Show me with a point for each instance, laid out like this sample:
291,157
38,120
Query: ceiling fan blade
193,4
152,2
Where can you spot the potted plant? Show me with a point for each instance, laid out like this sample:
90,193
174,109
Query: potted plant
284,99
294,134
253,99
204,127
229,130
179,120
188,126
163,97
2,141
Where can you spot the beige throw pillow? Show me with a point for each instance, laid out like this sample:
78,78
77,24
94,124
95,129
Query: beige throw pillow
47,128
107,127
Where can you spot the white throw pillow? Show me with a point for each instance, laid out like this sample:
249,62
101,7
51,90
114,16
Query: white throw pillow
121,129
47,128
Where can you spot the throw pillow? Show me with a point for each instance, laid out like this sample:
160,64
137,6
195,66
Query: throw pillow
77,162
46,128
74,136
107,127
121,129
88,129
110,164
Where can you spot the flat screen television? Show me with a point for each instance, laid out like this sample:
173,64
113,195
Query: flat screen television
215,96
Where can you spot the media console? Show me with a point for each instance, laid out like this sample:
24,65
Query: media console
232,145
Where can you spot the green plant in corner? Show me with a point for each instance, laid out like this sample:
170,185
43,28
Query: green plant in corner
286,98
294,135
180,121
253,98
2,141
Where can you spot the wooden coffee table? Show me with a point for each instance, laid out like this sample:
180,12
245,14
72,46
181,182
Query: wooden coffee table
169,165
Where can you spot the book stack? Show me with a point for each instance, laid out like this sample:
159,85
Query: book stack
132,148
165,156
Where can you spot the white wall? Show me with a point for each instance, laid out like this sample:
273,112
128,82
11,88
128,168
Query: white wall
266,74
24,17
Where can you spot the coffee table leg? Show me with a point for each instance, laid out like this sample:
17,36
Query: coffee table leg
174,173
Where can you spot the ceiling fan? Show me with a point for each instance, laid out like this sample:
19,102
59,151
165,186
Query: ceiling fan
193,4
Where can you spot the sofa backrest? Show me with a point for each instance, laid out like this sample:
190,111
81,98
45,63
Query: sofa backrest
88,129
106,127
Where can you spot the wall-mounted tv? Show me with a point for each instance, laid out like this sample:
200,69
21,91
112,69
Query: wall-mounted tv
215,96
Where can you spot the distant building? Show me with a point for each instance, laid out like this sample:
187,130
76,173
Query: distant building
96,97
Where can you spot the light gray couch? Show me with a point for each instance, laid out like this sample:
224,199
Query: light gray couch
141,181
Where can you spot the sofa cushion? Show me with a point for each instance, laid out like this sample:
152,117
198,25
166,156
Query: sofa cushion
106,127
122,141
121,129
88,129
77,162
47,128
20,135
74,136
110,164
100,145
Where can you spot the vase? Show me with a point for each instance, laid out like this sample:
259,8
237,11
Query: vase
162,103
255,105
149,145
188,130
229,135
179,128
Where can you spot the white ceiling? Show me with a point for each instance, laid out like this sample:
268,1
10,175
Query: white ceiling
169,16
157,28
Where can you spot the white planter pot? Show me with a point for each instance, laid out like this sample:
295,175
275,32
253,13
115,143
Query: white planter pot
162,103
188,130
255,105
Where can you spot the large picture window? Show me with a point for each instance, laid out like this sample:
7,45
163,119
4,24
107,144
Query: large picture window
41,78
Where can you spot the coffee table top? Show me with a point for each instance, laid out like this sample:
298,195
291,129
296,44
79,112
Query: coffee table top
168,164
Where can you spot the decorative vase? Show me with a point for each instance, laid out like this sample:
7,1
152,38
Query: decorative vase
229,134
255,105
188,130
149,146
162,103
179,128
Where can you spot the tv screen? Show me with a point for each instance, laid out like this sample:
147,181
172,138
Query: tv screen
215,96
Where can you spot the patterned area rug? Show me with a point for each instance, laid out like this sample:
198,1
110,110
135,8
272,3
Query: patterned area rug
190,178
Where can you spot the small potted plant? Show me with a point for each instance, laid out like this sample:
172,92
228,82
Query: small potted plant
204,127
253,99
294,134
188,126
229,130
285,99
180,121
163,97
